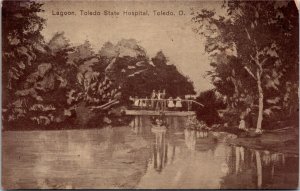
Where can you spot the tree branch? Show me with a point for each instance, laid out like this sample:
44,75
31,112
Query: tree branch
105,106
249,71
262,62
248,35
252,58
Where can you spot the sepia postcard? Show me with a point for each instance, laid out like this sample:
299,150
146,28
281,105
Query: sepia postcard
158,94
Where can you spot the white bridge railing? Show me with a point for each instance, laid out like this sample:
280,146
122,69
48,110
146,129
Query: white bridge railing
164,104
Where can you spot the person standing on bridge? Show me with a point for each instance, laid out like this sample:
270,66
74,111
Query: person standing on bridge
158,103
163,97
136,101
178,104
147,103
153,96
171,103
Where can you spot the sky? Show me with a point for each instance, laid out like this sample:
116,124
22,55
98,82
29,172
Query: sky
171,34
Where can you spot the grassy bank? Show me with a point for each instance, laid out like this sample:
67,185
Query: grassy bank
281,141
284,141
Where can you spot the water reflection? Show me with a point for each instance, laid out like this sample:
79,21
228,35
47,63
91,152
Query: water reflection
250,168
91,158
190,139
194,160
160,149
140,156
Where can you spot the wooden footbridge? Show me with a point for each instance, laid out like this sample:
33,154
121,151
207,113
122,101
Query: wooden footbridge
167,107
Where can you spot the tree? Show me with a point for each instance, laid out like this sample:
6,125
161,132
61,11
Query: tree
253,34
21,39
42,94
88,91
62,79
127,65
212,103
22,44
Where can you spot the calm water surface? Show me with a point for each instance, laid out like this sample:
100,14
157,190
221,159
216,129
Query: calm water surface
138,156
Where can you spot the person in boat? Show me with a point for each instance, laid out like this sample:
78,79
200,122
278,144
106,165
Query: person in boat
153,97
161,120
171,103
178,104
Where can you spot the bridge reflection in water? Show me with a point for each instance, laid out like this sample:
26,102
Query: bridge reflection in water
160,149
183,158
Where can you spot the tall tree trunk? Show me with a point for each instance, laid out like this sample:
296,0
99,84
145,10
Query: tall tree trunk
260,103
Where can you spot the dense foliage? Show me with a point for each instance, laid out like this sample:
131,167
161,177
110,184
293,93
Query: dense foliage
212,103
56,83
254,53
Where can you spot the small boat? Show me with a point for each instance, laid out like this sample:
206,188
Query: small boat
158,129
159,125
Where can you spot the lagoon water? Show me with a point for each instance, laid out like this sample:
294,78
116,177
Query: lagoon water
138,156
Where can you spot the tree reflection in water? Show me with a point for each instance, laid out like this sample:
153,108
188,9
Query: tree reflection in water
256,169
194,160
190,139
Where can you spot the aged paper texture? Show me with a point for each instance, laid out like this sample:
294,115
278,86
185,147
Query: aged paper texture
150,94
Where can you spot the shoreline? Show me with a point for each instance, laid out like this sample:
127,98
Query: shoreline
283,142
